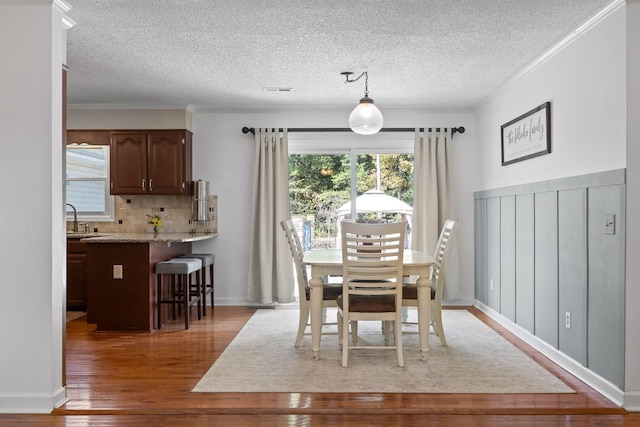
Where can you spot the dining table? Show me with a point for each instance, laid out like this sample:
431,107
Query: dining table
328,262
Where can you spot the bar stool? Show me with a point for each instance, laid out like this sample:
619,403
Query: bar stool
208,260
180,296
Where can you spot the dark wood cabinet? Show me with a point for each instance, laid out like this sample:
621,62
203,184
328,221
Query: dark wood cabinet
128,167
127,303
76,275
91,137
151,162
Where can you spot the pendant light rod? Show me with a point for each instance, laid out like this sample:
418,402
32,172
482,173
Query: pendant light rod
459,129
346,75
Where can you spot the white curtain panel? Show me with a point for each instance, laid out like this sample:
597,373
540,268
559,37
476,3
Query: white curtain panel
432,200
270,273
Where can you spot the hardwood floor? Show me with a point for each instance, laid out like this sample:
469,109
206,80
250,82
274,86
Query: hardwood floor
127,379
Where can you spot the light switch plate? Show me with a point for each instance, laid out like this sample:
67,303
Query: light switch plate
609,224
117,272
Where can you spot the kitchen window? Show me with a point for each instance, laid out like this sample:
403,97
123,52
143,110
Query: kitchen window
87,183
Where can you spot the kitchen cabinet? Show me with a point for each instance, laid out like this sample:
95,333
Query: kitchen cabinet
151,162
127,300
127,303
76,275
91,137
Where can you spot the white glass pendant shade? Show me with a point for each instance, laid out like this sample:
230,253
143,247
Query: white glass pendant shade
365,119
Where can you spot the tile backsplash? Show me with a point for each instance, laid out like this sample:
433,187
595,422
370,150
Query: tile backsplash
132,212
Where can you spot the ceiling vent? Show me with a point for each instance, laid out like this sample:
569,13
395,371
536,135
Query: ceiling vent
278,89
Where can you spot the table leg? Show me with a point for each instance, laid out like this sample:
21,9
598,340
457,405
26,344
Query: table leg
316,313
424,313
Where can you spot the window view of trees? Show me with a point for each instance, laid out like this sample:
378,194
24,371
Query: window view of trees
320,184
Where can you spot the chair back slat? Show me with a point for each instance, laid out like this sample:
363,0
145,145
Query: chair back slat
441,255
372,257
297,252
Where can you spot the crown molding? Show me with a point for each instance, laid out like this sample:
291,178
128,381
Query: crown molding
60,5
64,7
186,107
558,47
25,2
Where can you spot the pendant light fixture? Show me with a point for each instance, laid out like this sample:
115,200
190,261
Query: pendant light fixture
365,119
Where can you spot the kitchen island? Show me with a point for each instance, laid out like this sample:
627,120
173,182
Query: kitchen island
120,280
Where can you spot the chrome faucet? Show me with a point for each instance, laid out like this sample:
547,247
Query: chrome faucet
75,218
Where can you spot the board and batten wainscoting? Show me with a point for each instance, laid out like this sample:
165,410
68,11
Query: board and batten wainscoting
550,266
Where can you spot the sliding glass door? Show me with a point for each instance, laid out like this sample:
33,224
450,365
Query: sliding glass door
370,185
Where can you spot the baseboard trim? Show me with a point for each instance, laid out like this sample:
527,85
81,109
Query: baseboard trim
32,403
632,401
244,303
593,380
240,303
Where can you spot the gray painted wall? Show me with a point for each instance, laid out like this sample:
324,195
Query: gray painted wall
493,253
508,257
572,273
547,251
524,262
606,271
546,266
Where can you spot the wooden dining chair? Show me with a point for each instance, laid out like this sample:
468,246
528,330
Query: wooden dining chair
372,256
410,289
330,291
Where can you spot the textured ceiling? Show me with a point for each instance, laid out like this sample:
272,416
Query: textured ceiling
221,54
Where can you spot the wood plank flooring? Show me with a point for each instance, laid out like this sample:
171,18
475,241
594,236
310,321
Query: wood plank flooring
127,379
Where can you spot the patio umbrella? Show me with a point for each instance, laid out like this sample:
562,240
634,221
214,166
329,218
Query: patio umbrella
376,201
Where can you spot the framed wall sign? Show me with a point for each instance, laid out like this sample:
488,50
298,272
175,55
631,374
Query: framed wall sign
527,136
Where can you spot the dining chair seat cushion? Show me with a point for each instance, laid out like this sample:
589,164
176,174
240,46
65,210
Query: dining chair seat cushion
329,292
411,292
369,303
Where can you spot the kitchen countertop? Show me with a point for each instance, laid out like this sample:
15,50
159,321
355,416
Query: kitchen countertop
146,237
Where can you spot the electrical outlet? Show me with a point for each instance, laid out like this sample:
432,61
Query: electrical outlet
117,272
567,320
490,284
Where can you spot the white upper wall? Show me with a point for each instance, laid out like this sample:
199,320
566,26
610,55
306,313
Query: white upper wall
585,82
110,118
223,155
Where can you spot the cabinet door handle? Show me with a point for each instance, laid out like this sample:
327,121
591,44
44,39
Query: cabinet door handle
182,141
144,184
151,185
112,185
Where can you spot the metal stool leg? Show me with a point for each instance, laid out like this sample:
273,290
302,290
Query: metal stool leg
212,282
158,300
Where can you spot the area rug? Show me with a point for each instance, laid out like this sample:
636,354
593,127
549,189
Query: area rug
262,358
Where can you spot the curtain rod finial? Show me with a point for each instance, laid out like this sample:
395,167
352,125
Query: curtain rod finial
459,129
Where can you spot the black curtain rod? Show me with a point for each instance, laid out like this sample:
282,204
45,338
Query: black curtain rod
459,129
